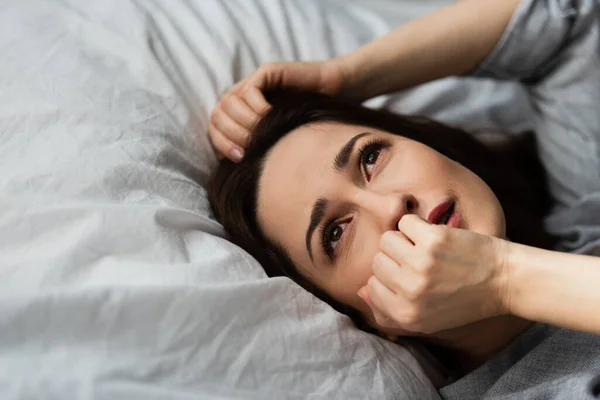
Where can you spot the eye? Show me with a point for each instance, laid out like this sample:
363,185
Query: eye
332,235
369,154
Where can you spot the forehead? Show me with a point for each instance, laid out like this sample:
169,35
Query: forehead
297,171
304,151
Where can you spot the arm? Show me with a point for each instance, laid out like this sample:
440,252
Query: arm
450,41
428,278
556,288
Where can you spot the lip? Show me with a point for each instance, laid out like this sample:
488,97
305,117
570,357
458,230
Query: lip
438,213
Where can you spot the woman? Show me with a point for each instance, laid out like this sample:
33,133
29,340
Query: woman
393,231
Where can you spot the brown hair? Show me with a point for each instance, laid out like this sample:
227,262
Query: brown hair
233,188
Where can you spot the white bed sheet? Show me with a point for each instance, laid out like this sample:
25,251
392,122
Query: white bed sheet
114,281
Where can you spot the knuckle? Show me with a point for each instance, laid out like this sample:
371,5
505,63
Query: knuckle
397,316
427,263
382,320
260,70
246,91
237,129
269,66
264,69
411,316
234,101
229,103
239,87
215,115
437,237
412,294
255,121
420,287
416,291
226,97
243,136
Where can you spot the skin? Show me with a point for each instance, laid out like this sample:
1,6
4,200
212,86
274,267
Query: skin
407,177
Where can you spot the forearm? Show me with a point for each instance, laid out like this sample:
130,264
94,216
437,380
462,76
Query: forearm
556,288
450,41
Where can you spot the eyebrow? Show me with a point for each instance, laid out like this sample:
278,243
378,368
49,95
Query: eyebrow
316,215
340,162
343,156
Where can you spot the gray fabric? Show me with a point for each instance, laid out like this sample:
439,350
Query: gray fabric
553,48
545,362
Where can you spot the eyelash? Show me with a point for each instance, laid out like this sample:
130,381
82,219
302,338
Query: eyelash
375,145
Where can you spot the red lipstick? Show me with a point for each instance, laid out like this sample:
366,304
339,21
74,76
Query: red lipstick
445,214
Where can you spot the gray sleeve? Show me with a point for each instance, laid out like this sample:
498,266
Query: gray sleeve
553,48
541,36
545,362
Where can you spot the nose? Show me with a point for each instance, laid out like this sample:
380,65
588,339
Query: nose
387,208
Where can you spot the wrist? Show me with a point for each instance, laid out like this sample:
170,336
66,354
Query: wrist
354,77
521,272
503,286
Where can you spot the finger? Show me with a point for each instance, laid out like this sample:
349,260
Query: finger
382,300
362,293
262,76
414,227
239,111
402,280
397,247
224,145
387,271
228,127
255,99
236,88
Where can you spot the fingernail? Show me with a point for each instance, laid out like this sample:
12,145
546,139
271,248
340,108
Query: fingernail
359,293
236,154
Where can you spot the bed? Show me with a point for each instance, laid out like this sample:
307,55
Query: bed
115,282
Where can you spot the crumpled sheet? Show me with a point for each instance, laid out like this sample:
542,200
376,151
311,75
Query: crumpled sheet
114,281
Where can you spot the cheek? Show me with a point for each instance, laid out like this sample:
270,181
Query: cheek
355,271
481,208
490,220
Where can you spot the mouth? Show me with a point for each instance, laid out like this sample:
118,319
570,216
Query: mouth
445,214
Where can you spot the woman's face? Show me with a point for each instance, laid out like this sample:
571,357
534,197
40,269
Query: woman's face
329,191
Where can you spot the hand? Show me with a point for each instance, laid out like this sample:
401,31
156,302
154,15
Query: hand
429,278
240,108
